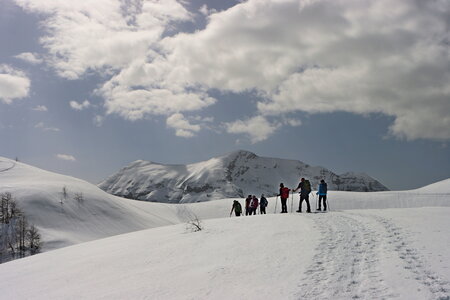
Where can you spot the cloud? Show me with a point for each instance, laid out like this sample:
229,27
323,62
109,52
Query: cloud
66,157
316,56
42,126
80,106
257,128
98,120
134,104
321,56
29,57
102,35
40,108
14,84
204,10
293,122
182,126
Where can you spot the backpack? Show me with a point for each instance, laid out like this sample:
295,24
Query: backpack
323,188
307,186
285,193
237,207
263,202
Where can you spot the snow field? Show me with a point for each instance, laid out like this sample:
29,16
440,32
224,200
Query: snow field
358,254
239,258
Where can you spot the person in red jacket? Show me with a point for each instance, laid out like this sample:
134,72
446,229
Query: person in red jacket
284,195
254,205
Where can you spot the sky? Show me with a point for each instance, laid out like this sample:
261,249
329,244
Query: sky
87,87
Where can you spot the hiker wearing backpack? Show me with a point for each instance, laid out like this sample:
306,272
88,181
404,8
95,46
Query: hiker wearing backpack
247,205
305,189
322,192
237,208
284,195
263,204
254,205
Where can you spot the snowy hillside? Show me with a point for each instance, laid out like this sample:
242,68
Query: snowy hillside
233,175
64,222
359,254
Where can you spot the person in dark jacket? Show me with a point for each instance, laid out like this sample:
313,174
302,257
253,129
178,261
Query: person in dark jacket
237,208
248,200
284,195
305,189
263,204
322,192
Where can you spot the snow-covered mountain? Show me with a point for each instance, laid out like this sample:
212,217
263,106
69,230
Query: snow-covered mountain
232,175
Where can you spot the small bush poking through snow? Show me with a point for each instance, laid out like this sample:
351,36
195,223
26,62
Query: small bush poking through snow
195,224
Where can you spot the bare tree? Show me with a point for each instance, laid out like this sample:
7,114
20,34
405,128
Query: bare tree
5,204
17,238
34,240
79,197
21,231
64,194
195,224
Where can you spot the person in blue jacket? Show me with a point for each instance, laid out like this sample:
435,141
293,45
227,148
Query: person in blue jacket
322,192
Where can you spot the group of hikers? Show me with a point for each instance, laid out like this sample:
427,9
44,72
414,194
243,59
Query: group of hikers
252,203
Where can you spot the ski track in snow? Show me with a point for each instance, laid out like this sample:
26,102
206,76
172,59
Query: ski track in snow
413,260
347,260
8,167
345,264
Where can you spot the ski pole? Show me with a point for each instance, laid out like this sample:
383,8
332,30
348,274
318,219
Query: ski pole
276,201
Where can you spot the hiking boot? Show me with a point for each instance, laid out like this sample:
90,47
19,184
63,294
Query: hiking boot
319,209
308,211
299,211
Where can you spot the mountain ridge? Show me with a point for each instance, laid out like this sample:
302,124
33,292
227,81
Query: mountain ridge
234,174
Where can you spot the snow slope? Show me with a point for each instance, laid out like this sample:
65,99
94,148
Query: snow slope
437,187
39,195
236,174
358,254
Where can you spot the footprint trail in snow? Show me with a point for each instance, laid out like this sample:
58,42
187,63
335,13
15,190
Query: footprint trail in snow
347,263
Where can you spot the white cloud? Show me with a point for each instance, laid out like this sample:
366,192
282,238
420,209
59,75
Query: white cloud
40,108
182,126
29,57
80,106
257,128
98,120
103,35
42,126
14,84
204,10
66,157
322,56
376,56
293,122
